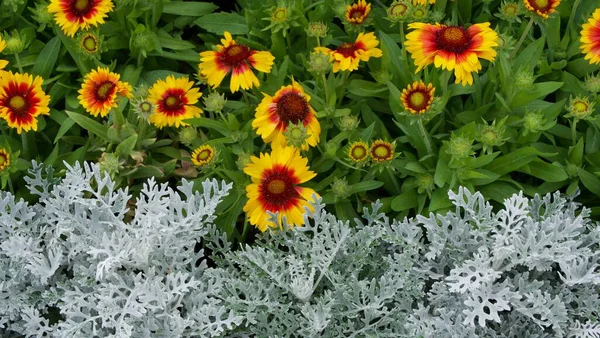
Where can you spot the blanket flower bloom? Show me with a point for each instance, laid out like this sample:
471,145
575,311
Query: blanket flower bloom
417,98
452,47
3,63
542,7
99,91
274,187
22,100
73,15
237,59
422,2
4,159
289,105
349,54
590,38
174,101
358,12
203,155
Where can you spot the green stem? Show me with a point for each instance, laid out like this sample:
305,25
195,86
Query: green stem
25,142
523,36
574,131
425,136
326,93
401,24
18,60
572,16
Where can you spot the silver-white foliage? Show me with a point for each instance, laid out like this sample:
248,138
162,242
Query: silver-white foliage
105,265
530,269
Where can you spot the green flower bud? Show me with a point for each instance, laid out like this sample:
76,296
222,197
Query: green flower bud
188,135
296,134
143,108
534,121
419,14
382,76
15,43
41,15
571,170
242,161
460,147
214,102
398,11
580,108
110,163
349,123
316,29
592,84
340,188
510,11
524,79
319,63
491,135
425,183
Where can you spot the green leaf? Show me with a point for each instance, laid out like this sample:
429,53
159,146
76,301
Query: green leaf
540,90
404,201
498,191
89,125
592,141
589,180
576,152
513,161
367,88
125,147
189,8
545,171
210,124
221,22
64,128
146,171
170,42
439,200
530,55
45,62
364,186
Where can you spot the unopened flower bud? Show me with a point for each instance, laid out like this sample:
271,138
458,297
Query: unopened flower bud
460,147
340,187
592,84
398,11
524,79
187,135
425,183
580,108
15,43
319,63
316,29
242,161
214,102
296,134
110,163
349,123
534,121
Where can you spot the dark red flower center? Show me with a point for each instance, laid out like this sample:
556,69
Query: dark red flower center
357,13
3,159
381,151
104,90
203,155
18,105
21,100
418,100
235,54
358,152
399,9
173,102
276,190
292,108
540,5
453,39
90,43
347,49
81,7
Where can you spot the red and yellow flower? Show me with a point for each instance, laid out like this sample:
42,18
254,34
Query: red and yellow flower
417,98
542,7
73,15
358,12
452,47
289,105
99,91
237,59
174,101
275,178
590,38
3,63
203,155
22,100
4,159
349,54
358,152
382,151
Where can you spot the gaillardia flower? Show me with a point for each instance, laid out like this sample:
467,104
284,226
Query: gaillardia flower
73,15
274,187
358,152
203,155
99,91
4,159
358,12
382,151
3,63
542,7
289,105
237,59
174,101
417,98
349,54
590,38
452,47
422,2
22,100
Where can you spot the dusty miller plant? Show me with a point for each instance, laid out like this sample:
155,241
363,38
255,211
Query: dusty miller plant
74,265
529,270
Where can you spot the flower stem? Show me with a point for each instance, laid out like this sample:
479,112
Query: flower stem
326,92
425,136
25,142
18,60
574,131
525,32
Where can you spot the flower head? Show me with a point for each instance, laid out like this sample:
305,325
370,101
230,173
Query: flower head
398,11
3,63
422,2
590,38
275,178
580,108
417,98
317,29
349,54
89,44
542,7
214,102
237,59
4,159
510,11
452,47
358,152
99,91
73,15
358,12
203,156
22,100
382,151
174,101
289,105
